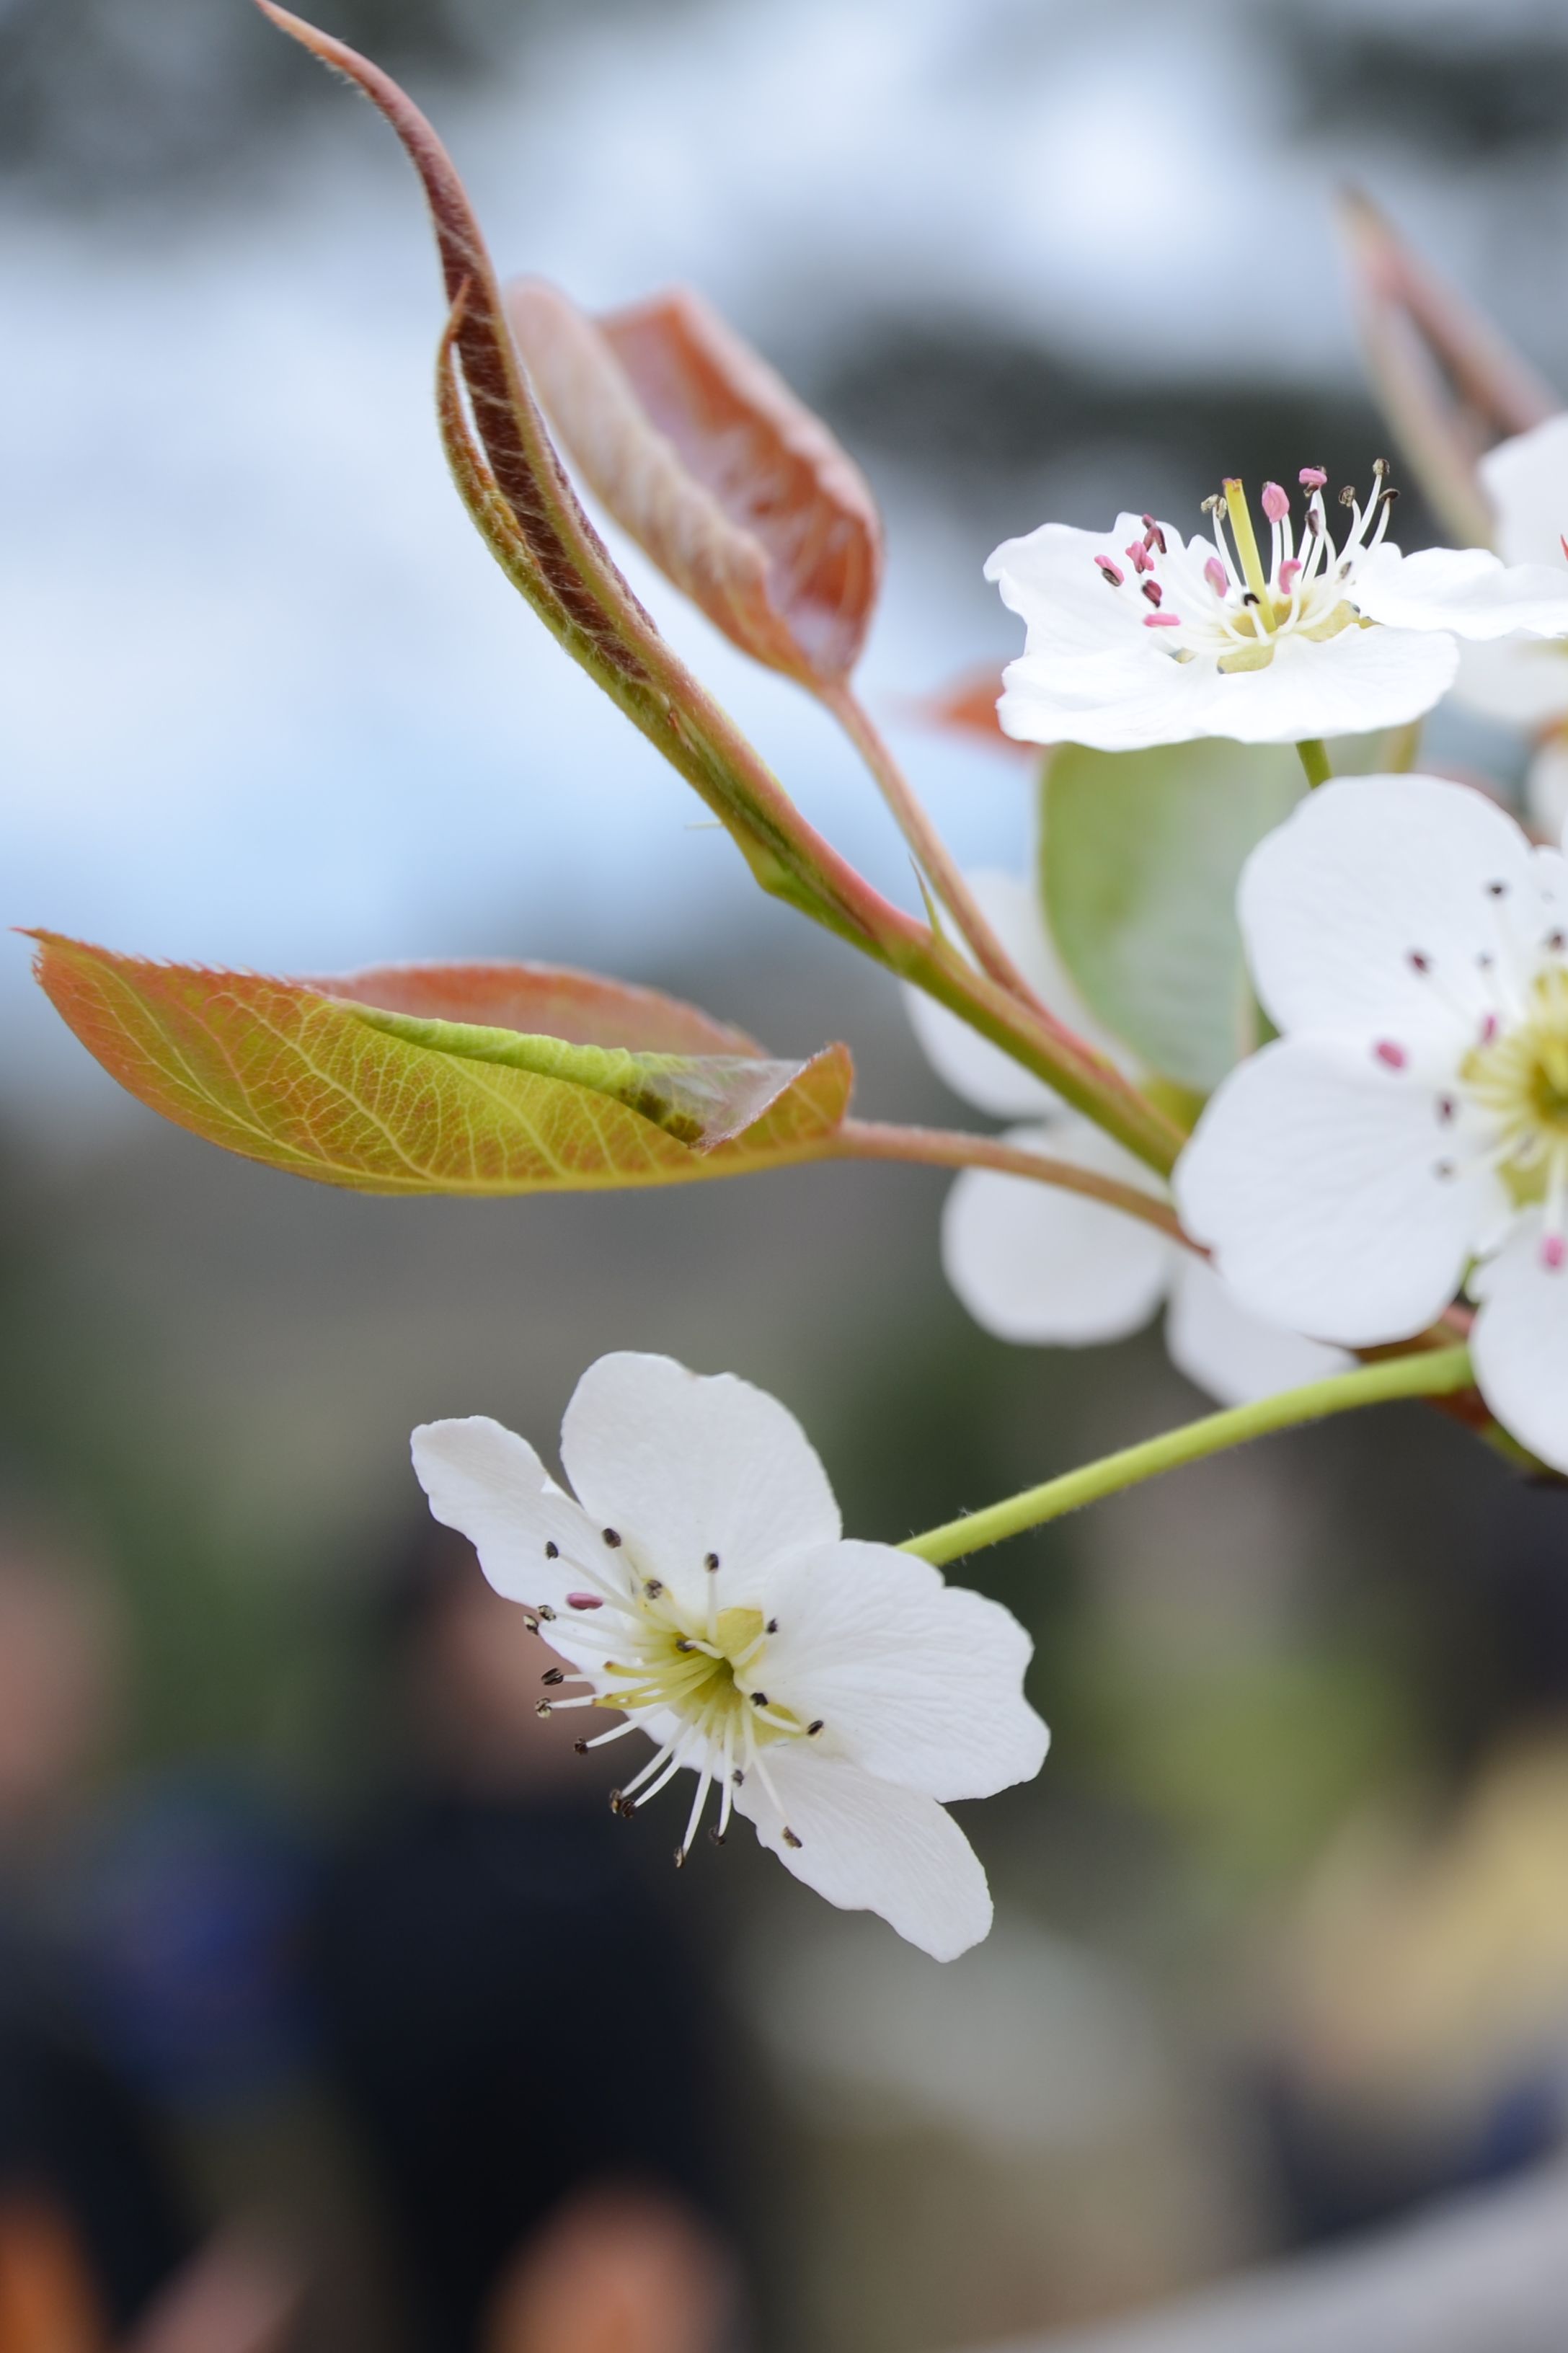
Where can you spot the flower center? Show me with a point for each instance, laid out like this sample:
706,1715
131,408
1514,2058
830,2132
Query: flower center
1518,1076
645,1655
1223,602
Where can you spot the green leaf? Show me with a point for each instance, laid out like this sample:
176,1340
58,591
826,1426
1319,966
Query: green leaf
1140,855
386,1081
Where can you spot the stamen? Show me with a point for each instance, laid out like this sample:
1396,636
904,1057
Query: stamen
1387,1052
1154,592
1289,573
1276,502
1111,572
1216,576
584,1601
551,1550
612,1539
1245,541
1312,478
1162,620
1139,557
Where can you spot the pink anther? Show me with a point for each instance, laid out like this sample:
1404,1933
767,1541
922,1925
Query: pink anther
1489,1028
1216,576
1552,1251
1312,478
1153,534
1389,1053
583,1601
1276,502
1154,592
1139,557
1162,620
1562,542
1289,573
1109,571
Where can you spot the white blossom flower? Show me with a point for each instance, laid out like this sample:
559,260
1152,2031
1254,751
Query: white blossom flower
1136,638
1035,1265
1412,1118
837,1693
1522,681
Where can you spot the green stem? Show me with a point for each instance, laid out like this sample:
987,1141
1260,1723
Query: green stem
1315,760
1437,1372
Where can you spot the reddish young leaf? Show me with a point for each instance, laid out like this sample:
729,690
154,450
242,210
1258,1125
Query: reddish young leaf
738,493
1450,384
544,999
334,1083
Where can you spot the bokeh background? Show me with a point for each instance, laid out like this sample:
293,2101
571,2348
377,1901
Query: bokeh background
1282,1943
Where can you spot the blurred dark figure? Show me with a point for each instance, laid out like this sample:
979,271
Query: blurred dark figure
510,2014
81,2165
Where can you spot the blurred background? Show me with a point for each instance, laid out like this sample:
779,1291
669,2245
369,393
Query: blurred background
308,1930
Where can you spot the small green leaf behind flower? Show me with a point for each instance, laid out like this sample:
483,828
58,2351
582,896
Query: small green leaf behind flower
423,1079
1141,856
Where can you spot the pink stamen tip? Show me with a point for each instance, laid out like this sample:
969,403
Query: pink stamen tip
1153,534
1138,556
1112,572
1388,1052
1276,502
1154,592
1162,620
1552,1251
583,1601
1216,576
1563,542
1312,478
1289,573
1489,1028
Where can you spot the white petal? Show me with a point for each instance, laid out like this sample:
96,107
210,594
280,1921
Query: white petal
1546,787
1527,482
1465,590
1232,1355
917,1681
488,1483
982,1074
1519,1343
1522,681
1364,873
1051,579
867,1846
1313,1177
682,1466
1345,685
1116,702
1033,1264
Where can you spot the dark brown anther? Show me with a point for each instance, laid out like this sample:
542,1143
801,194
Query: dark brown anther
759,1699
813,1729
710,1562
1557,941
554,1675
771,1626
682,1644
1419,962
738,1776
1496,890
654,1588
546,1612
530,1622
551,1549
1347,496
1248,597
679,1857
790,1839
581,1747
1154,592
612,1539
543,1707
715,1838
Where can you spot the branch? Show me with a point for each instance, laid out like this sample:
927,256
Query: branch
944,1148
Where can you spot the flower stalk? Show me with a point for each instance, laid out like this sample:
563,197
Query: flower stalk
1315,760
1437,1372
943,1147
